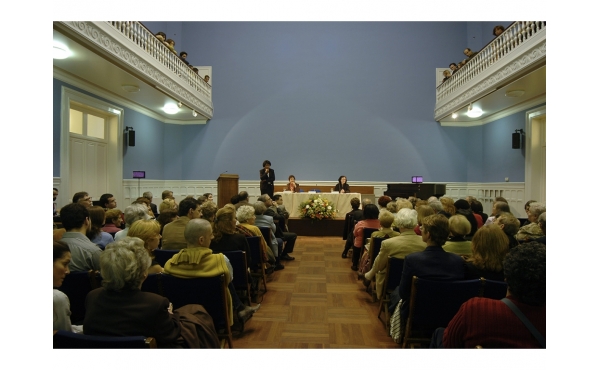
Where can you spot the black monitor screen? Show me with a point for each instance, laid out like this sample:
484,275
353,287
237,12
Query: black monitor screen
417,179
139,174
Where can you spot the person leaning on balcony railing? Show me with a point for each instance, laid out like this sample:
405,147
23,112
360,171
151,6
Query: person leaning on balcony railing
453,67
497,31
469,53
447,75
183,56
171,45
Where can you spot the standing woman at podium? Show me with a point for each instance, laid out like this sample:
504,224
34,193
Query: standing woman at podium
267,177
342,186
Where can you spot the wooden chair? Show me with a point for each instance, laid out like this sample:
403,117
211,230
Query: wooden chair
210,292
241,282
348,225
163,255
76,286
433,304
375,248
367,231
67,339
258,267
493,289
393,275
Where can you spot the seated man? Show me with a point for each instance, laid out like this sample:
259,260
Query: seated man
279,219
83,198
498,207
242,200
400,246
196,259
172,236
108,201
133,213
278,202
148,195
85,255
491,323
510,225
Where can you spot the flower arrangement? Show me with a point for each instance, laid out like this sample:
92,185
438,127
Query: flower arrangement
317,208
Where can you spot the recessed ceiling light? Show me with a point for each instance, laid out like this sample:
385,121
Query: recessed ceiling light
130,88
514,93
454,115
171,108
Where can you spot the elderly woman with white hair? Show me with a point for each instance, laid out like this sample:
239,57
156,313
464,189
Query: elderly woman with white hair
132,213
400,246
532,231
120,308
246,217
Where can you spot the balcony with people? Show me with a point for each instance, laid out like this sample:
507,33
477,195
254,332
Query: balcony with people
515,52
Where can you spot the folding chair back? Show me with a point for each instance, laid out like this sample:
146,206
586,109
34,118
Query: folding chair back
494,289
76,286
241,281
393,275
258,264
433,304
163,255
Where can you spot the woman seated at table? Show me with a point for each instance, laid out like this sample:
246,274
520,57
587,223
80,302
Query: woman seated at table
292,185
342,186
149,232
120,308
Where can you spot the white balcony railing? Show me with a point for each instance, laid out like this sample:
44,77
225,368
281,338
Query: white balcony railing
517,49
133,47
141,36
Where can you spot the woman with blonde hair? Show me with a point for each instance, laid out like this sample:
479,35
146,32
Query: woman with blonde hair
225,236
95,233
422,212
489,247
166,204
149,232
456,243
448,205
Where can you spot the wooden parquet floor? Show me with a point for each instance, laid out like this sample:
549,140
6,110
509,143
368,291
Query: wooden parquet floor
315,302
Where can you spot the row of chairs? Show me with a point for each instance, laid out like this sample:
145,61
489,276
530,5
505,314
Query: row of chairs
432,303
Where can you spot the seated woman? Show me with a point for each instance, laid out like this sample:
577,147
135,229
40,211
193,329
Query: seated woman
167,204
383,201
292,185
456,243
371,214
342,186
386,219
463,208
95,233
149,232
113,220
357,215
120,308
246,217
422,212
60,302
146,202
448,205
225,236
489,246
510,225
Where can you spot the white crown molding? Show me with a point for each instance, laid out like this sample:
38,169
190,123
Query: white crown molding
103,37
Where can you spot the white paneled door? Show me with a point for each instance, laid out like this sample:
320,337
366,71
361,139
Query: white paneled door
88,167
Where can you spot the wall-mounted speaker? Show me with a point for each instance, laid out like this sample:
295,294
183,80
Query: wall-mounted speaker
131,138
516,140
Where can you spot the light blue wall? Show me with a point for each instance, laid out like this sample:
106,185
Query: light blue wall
320,100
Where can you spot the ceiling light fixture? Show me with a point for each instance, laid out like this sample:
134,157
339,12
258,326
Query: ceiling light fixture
130,88
180,104
171,108
454,115
194,113
514,93
474,112
60,51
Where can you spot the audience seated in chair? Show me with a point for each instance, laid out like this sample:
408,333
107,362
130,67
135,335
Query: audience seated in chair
459,227
85,255
148,195
149,232
498,207
120,308
510,225
400,246
491,323
246,217
61,305
288,238
386,219
262,220
95,233
82,198
132,213
114,219
371,214
532,231
489,246
197,260
225,236
173,238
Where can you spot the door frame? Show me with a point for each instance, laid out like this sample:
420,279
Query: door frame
114,136
533,155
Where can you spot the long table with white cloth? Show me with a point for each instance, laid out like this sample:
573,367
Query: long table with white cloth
292,201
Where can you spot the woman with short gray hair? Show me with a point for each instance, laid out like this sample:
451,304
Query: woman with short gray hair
532,231
120,308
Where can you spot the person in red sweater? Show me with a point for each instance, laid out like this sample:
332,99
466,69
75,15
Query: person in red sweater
490,323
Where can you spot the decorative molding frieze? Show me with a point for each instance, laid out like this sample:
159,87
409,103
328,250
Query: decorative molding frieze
125,52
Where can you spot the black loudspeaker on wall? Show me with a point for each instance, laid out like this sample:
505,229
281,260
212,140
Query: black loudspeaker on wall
516,139
131,138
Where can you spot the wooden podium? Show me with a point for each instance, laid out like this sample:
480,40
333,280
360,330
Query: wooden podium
227,186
